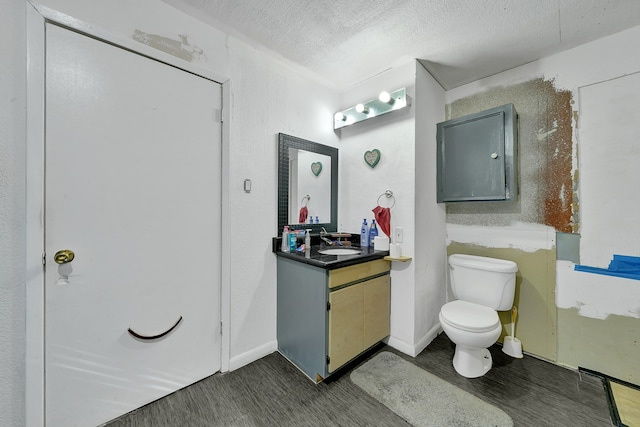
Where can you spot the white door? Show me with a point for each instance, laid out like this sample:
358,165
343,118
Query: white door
133,189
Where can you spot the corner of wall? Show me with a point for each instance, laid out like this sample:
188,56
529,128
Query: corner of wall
12,212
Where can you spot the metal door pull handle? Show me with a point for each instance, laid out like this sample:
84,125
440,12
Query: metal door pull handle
154,337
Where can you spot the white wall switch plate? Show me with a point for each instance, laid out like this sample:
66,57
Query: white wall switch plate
398,235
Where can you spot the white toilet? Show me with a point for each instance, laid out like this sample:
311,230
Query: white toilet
481,285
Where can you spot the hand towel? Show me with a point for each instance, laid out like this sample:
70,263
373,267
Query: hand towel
302,218
383,218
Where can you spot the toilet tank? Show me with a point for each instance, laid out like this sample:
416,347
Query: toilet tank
486,281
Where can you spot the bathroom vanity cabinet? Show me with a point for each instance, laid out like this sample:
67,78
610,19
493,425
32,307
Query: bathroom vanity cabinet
327,317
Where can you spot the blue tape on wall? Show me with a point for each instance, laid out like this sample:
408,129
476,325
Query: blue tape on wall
620,266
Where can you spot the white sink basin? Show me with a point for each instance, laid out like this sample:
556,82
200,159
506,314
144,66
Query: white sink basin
340,251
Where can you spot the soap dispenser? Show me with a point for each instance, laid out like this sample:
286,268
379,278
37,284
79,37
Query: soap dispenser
364,234
373,233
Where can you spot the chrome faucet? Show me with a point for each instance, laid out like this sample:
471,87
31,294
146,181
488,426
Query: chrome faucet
323,236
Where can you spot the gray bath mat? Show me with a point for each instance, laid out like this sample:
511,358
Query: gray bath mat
421,398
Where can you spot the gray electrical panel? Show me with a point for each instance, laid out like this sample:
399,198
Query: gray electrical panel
477,156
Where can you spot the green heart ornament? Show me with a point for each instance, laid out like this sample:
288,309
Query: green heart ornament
372,157
316,168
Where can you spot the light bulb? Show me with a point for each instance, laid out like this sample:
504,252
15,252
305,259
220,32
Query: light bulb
361,108
385,97
339,117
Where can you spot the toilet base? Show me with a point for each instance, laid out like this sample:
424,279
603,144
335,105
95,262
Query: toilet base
472,362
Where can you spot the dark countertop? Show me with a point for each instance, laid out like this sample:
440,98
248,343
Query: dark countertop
329,262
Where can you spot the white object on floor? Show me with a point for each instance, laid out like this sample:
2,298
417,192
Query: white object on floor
512,346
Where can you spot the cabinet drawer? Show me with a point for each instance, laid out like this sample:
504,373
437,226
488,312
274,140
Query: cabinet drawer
354,273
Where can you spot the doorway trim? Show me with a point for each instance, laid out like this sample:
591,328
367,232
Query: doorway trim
37,16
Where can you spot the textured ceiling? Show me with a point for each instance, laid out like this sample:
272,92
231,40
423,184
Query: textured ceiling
458,41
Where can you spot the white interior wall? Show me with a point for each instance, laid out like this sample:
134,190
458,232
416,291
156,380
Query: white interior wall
585,66
430,217
609,128
12,212
266,99
360,185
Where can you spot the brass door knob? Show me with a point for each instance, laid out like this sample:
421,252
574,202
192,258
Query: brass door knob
64,256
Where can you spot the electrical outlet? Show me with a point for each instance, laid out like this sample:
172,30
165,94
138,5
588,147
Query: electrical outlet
398,235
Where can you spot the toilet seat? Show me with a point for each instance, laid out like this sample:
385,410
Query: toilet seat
470,317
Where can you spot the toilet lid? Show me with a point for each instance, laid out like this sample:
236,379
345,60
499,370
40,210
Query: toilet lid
469,316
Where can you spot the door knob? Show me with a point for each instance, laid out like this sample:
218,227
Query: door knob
64,256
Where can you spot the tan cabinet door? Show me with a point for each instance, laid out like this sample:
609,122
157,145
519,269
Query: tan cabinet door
359,318
377,309
346,325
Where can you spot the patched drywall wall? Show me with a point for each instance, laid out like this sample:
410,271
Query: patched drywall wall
595,314
597,296
610,345
598,322
544,152
178,47
546,195
535,283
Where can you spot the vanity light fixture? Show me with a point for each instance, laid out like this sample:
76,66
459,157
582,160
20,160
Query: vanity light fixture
384,103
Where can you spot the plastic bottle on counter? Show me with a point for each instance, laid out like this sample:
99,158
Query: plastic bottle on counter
293,241
285,239
317,220
307,239
364,234
373,232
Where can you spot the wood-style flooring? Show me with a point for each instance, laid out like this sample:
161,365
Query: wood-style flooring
272,392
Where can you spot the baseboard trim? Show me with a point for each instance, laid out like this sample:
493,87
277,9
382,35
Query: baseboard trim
401,346
427,338
252,355
421,344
